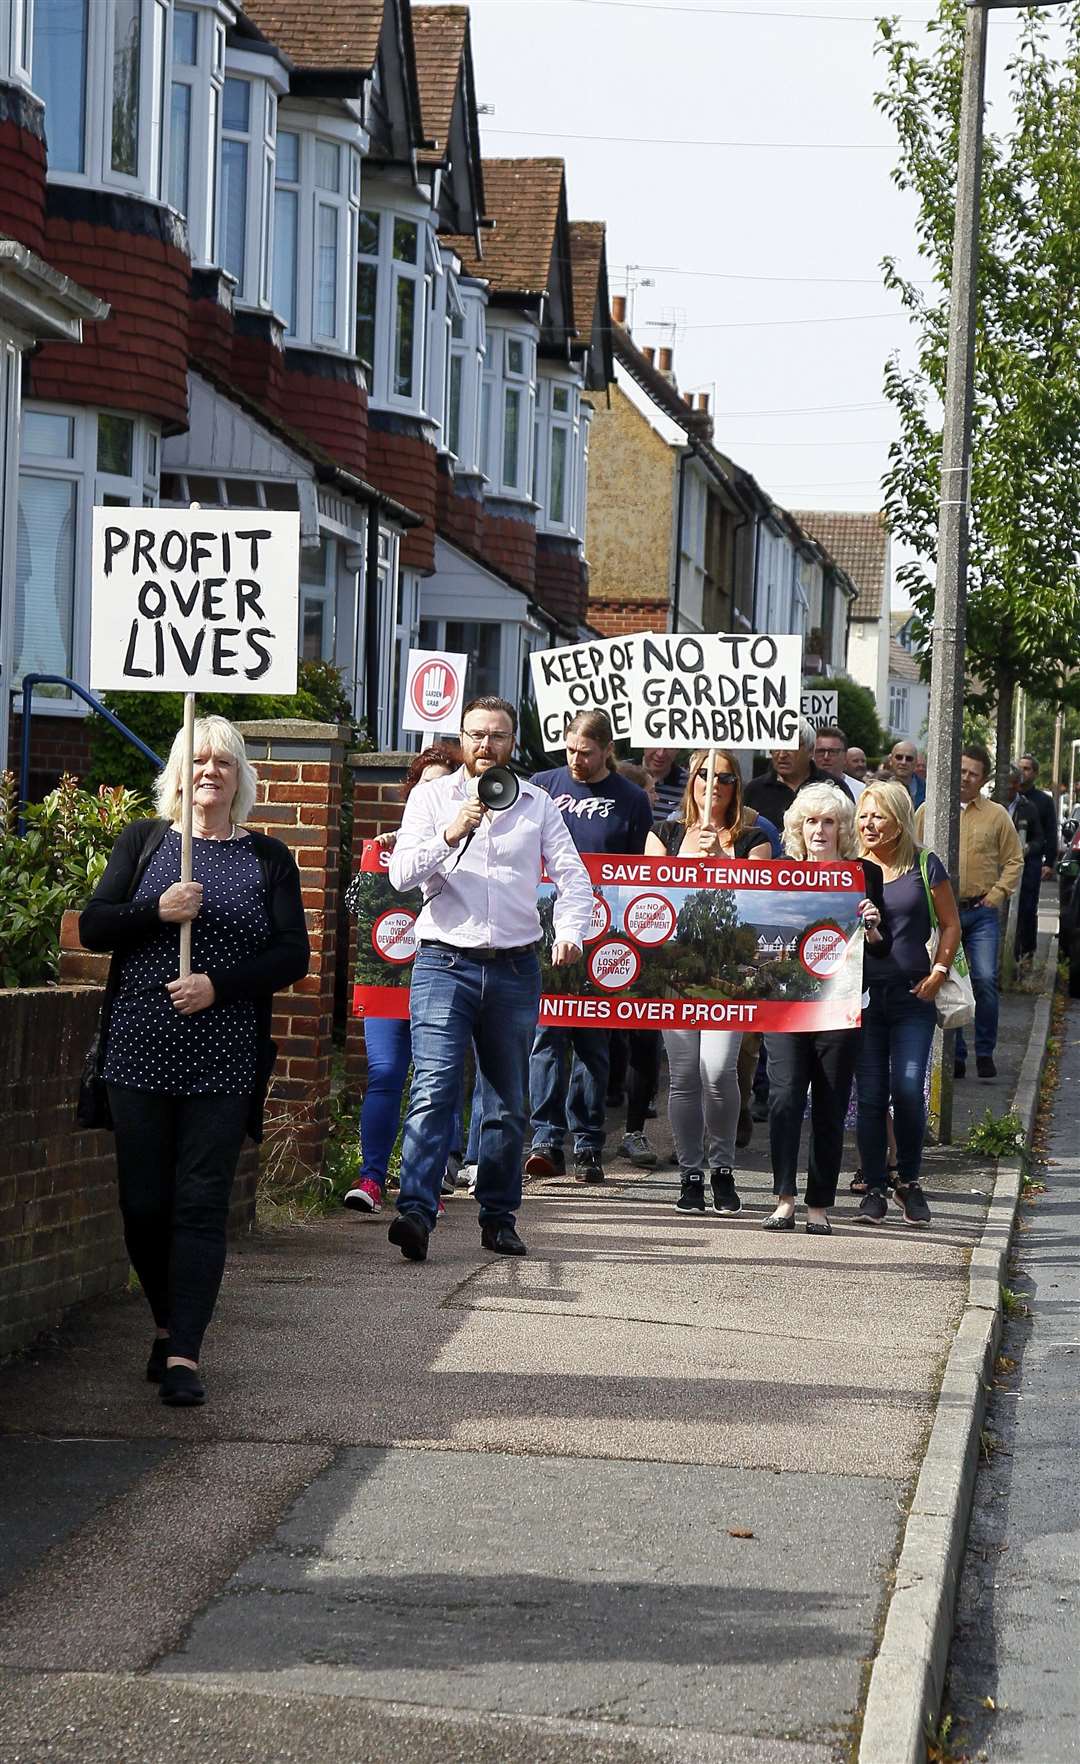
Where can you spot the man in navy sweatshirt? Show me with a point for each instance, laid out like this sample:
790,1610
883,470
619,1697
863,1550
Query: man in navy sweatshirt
604,813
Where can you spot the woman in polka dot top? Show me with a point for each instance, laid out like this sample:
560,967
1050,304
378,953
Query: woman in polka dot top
187,1062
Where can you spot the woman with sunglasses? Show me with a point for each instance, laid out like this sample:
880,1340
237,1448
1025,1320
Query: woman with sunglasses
703,1099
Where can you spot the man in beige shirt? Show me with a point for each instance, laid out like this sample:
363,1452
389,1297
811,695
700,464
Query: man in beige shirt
991,864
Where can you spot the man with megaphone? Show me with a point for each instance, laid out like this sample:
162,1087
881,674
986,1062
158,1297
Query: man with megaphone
475,843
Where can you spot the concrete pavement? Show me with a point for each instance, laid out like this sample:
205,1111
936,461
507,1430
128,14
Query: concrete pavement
485,1509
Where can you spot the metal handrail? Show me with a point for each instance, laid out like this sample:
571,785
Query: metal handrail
28,685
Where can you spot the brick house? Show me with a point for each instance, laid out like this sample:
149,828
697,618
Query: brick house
309,291
860,544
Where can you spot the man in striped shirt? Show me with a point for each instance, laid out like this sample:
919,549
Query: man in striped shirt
669,780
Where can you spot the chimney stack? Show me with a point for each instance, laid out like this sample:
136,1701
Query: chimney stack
650,355
618,308
666,358
703,401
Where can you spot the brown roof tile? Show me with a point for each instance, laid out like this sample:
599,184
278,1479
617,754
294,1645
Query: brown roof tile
586,257
902,664
859,543
439,35
523,198
321,33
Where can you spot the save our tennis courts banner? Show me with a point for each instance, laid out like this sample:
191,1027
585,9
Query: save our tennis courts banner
675,943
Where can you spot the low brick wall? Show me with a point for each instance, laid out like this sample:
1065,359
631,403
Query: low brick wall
60,1236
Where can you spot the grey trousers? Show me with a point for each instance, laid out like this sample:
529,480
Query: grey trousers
703,1100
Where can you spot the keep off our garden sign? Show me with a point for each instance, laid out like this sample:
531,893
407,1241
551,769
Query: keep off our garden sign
677,943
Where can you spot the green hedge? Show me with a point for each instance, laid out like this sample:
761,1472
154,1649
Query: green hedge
156,716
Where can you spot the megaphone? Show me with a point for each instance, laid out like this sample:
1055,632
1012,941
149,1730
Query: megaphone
498,787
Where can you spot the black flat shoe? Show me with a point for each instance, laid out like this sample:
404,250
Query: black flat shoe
155,1365
775,1223
182,1388
411,1235
818,1228
503,1240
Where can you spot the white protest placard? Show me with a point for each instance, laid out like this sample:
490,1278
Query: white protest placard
821,709
721,689
434,690
583,677
194,600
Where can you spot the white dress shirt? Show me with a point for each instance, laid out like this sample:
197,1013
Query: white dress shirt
484,897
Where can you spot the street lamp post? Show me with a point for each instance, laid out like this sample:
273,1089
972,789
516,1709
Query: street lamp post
942,819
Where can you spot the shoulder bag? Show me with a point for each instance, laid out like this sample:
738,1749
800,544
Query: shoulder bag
955,1002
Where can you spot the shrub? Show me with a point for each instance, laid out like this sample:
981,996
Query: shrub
57,865
156,716
857,715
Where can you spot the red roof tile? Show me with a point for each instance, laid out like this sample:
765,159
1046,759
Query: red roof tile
523,197
859,543
439,34
321,33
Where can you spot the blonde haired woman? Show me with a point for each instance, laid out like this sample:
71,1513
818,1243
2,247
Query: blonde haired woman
898,1023
703,1099
186,1063
819,827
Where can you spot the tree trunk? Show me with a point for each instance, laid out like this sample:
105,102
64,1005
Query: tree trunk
1006,692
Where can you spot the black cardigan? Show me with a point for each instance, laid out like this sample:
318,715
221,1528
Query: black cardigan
111,920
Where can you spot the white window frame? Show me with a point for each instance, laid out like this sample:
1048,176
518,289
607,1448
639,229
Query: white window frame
552,389
500,378
899,702
266,82
16,37
155,38
311,198
140,488
324,595
470,350
391,273
204,80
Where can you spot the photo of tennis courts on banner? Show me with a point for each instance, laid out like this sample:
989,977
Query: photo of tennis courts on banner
676,943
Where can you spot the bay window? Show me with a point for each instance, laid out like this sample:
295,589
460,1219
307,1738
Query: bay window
99,66
197,78
395,259
246,184
508,412
316,207
70,460
561,455
318,594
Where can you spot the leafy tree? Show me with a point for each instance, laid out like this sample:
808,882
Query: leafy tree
856,713
1023,622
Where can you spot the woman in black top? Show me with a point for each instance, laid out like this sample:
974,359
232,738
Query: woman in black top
819,827
703,1097
186,1063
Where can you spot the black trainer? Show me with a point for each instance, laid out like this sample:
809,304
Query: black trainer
873,1207
692,1193
411,1234
984,1065
182,1388
725,1195
913,1201
588,1168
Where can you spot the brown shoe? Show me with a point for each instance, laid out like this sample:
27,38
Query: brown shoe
545,1160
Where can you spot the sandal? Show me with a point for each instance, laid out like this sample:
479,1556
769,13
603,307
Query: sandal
857,1185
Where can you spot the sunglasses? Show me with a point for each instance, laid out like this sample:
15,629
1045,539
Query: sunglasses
718,777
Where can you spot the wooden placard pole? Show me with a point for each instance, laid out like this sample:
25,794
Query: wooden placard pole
186,792
710,774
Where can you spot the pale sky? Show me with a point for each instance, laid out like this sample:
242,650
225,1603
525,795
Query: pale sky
789,233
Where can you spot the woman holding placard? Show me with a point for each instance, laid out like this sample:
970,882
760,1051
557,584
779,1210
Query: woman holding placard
186,1063
703,1097
819,827
898,1023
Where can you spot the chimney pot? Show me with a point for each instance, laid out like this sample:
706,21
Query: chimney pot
650,355
703,401
618,308
665,361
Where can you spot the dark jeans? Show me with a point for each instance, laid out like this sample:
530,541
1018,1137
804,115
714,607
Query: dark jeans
634,1066
981,929
573,1100
1027,911
456,999
176,1157
823,1062
897,1031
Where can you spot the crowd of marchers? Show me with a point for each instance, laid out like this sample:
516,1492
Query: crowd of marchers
181,1065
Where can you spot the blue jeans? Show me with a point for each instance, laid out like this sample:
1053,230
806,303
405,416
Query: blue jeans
480,1101
981,928
455,999
389,1050
894,1047
576,1102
